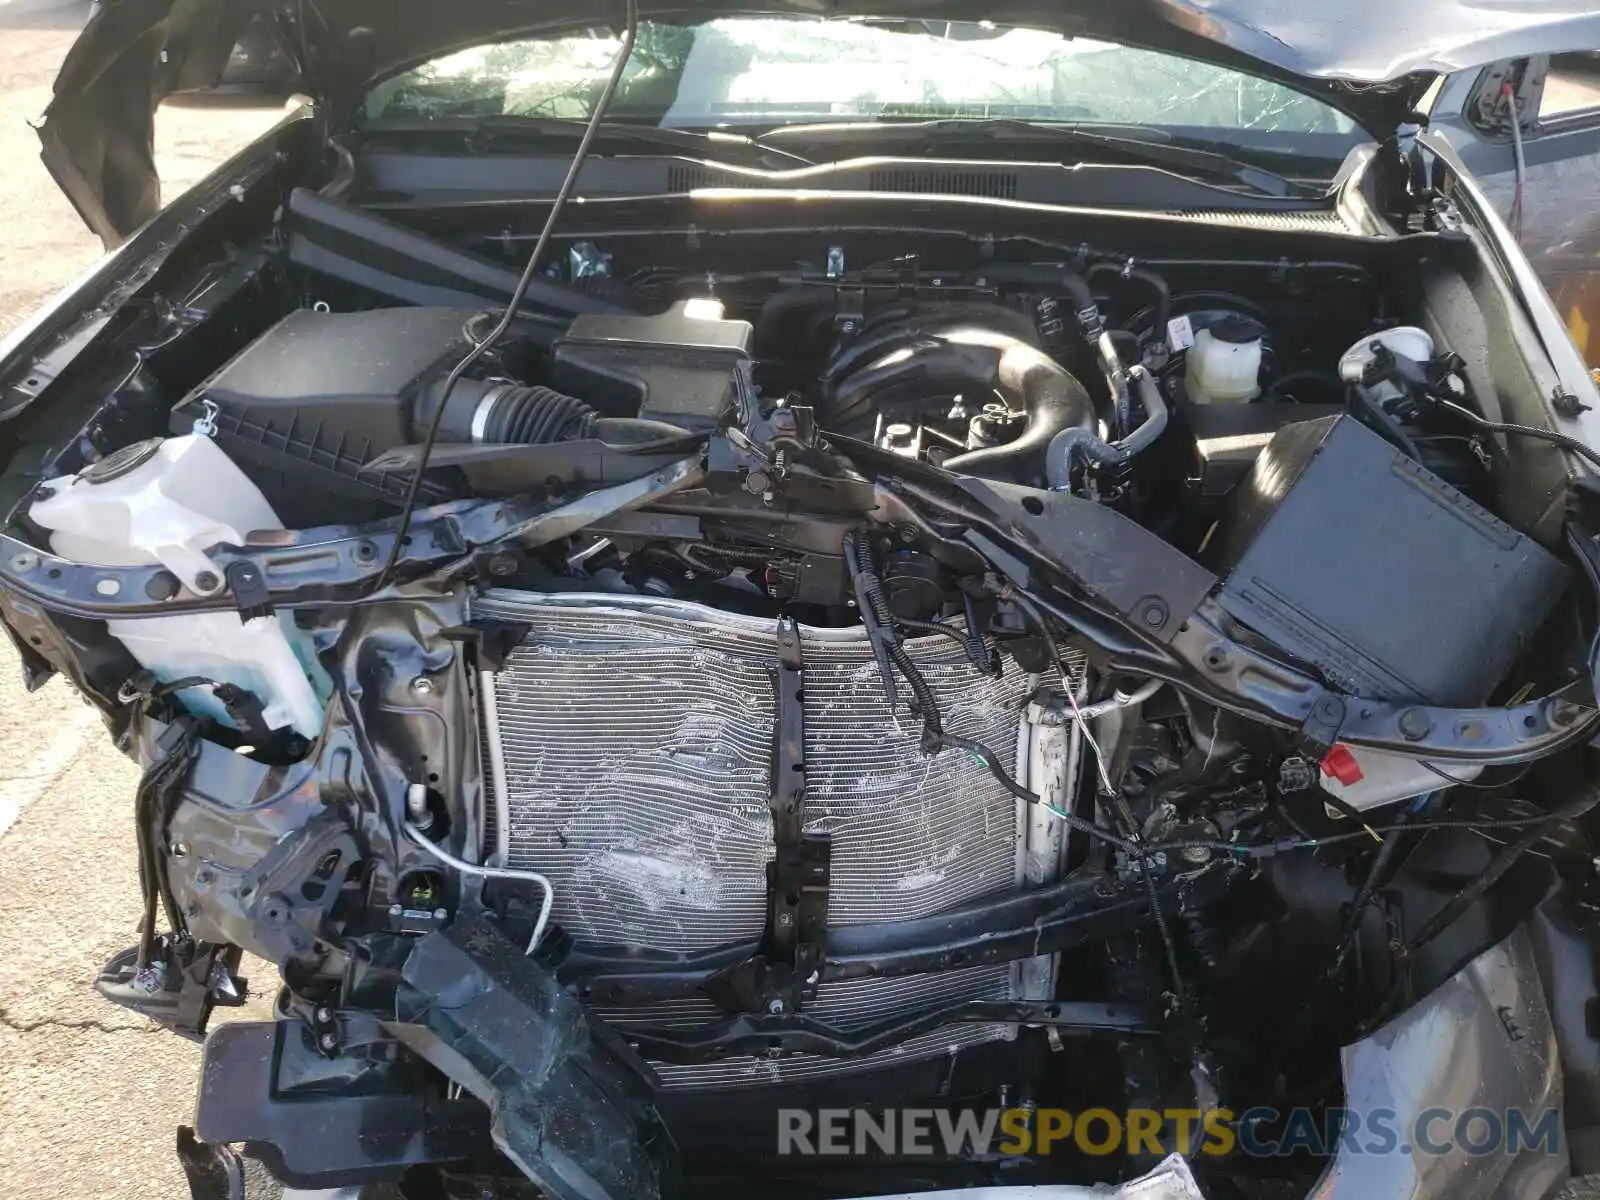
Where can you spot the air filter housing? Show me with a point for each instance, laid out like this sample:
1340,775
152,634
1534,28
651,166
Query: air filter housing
1344,552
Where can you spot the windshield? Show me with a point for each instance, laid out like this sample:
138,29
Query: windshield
763,72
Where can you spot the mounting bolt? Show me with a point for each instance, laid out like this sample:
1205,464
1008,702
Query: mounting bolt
1415,725
785,920
1154,614
163,585
422,685
441,914
502,565
206,581
775,1006
364,552
324,1014
328,1041
1196,854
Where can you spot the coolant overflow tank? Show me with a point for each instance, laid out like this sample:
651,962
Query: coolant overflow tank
168,501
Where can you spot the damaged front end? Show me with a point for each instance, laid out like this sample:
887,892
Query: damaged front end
925,665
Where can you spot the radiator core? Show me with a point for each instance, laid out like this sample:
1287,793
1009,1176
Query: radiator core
637,737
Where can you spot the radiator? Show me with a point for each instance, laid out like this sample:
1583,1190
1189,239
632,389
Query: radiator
636,737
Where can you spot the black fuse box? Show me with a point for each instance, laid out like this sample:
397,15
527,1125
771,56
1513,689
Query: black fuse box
1341,550
680,366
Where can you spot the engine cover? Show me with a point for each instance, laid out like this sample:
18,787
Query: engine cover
637,739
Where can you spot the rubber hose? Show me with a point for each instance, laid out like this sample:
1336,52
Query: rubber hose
537,415
494,412
1161,301
1044,277
1155,412
1070,445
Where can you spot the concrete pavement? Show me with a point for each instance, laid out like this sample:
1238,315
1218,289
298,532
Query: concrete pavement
89,1094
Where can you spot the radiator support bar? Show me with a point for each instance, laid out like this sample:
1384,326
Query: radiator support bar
783,974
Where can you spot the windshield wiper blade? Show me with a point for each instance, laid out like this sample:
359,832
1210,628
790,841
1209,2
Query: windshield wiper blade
1152,147
507,129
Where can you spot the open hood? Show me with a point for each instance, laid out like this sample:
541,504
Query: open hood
1366,57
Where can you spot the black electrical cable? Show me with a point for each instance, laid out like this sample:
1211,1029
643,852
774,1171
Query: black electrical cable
624,52
1454,908
1269,849
1532,431
1169,944
1472,783
987,757
151,816
1369,888
938,627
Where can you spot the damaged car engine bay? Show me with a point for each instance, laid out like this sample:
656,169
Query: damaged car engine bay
929,661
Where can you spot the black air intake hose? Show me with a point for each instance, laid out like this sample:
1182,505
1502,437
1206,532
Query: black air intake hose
495,411
531,416
973,362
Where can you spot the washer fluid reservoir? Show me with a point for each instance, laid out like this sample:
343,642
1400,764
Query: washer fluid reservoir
168,501
1224,364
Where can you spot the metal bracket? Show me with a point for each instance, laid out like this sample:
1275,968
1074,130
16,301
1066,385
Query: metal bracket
180,986
1321,728
851,312
784,972
251,595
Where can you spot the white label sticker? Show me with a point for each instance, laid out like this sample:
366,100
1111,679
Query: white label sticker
1180,334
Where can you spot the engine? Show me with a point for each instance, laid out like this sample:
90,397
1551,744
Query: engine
906,685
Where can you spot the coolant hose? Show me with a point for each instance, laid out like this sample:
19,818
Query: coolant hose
1071,445
1161,304
1045,278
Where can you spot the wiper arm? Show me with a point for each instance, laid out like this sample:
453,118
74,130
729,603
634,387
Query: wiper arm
1159,150
500,130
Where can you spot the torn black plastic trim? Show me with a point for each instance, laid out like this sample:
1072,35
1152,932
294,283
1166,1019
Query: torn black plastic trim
264,1085
570,1102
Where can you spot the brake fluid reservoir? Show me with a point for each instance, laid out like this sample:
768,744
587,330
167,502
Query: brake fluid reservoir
168,501
1224,363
